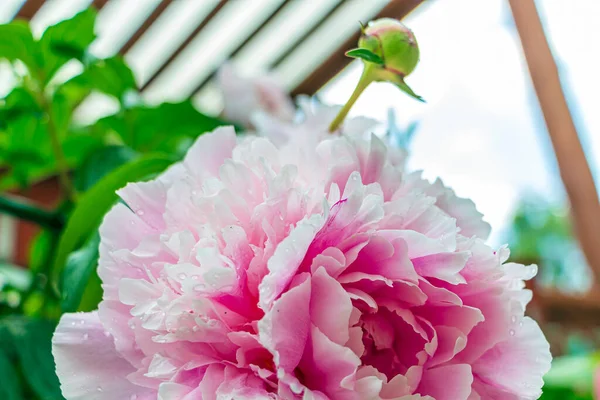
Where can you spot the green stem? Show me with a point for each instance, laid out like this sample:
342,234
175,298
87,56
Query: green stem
365,80
23,210
59,155
36,88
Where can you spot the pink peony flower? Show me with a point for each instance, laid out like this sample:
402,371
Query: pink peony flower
311,269
244,97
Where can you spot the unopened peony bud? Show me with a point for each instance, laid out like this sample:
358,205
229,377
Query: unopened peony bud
394,43
390,52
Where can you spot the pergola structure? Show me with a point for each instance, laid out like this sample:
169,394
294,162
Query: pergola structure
302,42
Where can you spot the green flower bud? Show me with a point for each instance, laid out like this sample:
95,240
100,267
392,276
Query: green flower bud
389,52
394,43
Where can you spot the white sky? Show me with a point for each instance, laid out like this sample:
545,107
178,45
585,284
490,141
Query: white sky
481,130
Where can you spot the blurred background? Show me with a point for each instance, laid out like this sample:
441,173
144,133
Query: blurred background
481,129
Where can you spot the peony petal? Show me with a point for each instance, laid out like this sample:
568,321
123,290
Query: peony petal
212,379
147,200
469,220
450,382
284,329
443,266
326,365
517,365
208,153
87,364
287,258
330,307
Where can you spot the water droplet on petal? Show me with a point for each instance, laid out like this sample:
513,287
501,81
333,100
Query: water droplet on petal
513,319
86,336
182,276
140,212
212,323
511,332
107,333
99,389
132,222
520,323
195,277
199,288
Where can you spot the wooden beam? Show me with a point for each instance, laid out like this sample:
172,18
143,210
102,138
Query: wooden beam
186,42
574,169
160,8
289,49
98,4
337,61
29,9
241,45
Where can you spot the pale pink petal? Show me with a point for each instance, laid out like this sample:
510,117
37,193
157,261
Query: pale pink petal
287,258
333,319
87,363
517,365
284,328
208,153
147,200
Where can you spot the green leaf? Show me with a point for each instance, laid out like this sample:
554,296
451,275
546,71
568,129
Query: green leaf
79,147
38,250
67,40
15,277
27,147
100,163
110,76
78,270
62,111
406,89
366,55
161,128
10,388
17,43
76,147
31,340
96,202
18,103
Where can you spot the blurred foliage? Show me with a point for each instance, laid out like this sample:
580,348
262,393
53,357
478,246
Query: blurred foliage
541,233
571,378
40,138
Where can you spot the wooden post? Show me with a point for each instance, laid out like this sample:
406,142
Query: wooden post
574,169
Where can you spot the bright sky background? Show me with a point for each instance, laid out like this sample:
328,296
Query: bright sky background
481,130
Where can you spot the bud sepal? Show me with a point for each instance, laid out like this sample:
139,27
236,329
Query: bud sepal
365,55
